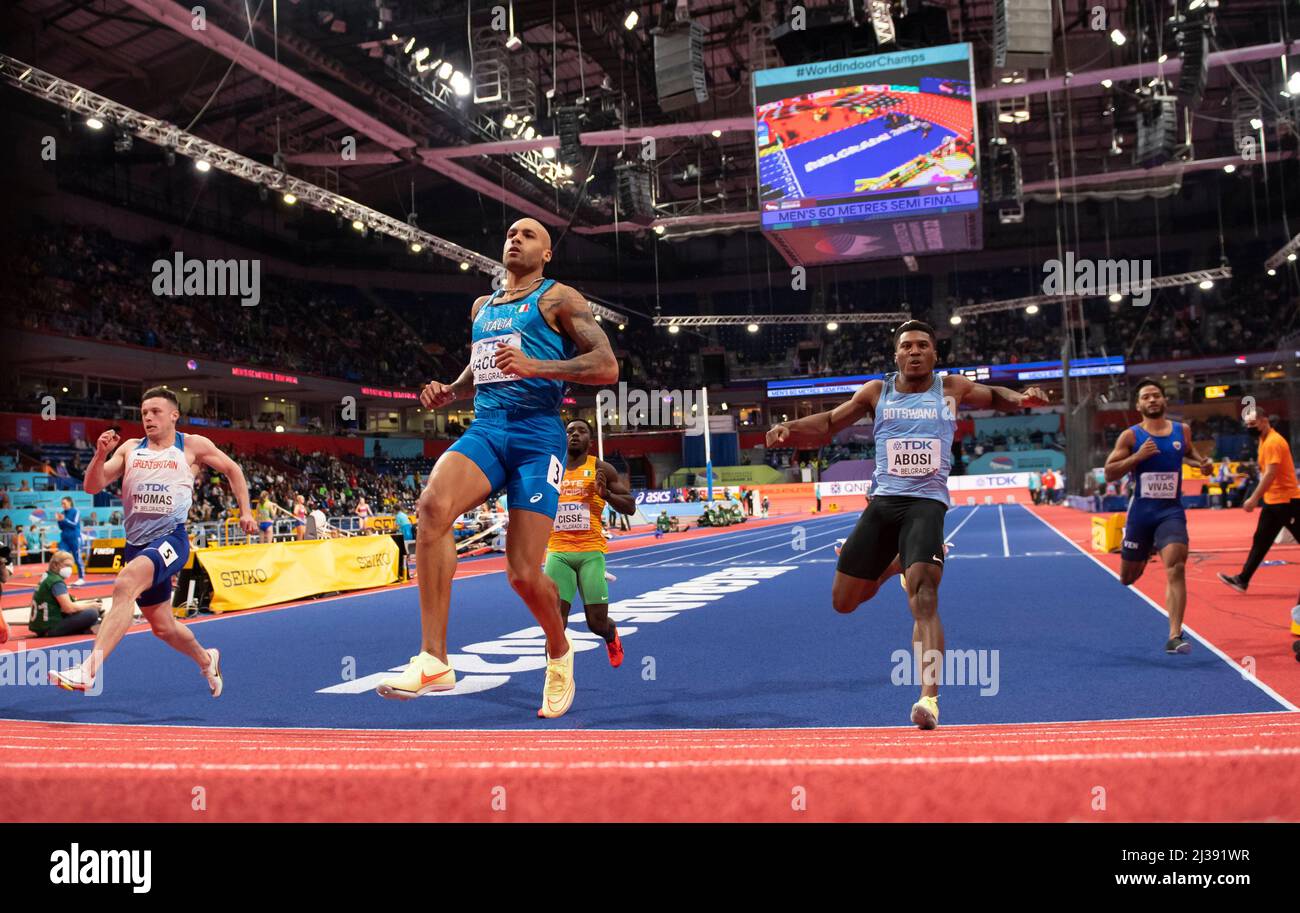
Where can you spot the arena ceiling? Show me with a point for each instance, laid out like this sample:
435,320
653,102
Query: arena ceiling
300,77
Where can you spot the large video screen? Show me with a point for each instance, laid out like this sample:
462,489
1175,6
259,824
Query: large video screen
867,138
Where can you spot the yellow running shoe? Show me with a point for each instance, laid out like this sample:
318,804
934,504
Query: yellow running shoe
557,694
424,674
925,712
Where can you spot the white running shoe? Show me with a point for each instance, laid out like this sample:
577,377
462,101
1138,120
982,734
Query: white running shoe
213,673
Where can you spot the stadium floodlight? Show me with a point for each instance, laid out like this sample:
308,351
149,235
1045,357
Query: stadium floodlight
832,326
445,70
955,319
416,247
173,140
94,123
1285,253
1118,37
1107,83
358,224
1229,168
1293,84
674,328
420,55
1205,284
1272,272
460,83
289,199
633,17
409,44
464,265
753,327
1256,124
1116,298
717,134
1031,309
203,165
548,152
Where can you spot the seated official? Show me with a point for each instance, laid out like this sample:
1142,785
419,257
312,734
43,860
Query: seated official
54,612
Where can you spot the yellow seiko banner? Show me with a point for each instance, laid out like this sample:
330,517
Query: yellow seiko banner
249,576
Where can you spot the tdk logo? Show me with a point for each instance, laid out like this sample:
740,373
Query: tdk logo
152,486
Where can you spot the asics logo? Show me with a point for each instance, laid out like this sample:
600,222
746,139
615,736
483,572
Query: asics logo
535,498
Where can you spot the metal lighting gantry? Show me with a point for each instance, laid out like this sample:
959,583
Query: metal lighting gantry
1011,304
731,320
168,136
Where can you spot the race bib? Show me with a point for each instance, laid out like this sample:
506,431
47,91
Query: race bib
1159,485
572,517
168,553
483,358
152,502
555,474
910,457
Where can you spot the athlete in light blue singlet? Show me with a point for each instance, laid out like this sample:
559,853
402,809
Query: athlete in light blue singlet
901,531
1154,451
529,339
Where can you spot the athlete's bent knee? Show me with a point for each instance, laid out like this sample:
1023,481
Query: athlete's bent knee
434,511
845,602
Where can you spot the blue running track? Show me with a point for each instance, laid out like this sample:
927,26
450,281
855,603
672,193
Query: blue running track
755,644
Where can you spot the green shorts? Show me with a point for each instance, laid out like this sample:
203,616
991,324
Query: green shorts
579,571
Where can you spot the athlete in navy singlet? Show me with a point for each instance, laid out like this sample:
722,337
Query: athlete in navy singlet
157,473
901,531
529,339
1154,451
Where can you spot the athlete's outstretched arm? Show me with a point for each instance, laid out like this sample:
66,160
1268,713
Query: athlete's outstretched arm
104,469
207,453
594,364
966,392
617,494
819,429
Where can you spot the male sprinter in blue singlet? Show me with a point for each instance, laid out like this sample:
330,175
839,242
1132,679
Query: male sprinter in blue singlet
1154,451
529,338
157,473
901,531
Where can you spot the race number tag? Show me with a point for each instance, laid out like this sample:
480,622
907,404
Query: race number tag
555,474
572,517
1159,485
912,456
168,553
483,358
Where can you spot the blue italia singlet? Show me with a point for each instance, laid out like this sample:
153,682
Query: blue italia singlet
913,433
519,323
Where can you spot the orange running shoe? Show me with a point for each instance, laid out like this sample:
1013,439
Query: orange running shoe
615,648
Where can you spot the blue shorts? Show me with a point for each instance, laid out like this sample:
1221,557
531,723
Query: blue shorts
1152,524
168,554
265,525
524,452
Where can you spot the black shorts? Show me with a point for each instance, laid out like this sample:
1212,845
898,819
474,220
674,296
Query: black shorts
894,525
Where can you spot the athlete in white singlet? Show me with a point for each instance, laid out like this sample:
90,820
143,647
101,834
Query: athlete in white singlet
157,487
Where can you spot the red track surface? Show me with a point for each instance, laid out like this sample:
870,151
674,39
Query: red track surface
1225,768
1230,768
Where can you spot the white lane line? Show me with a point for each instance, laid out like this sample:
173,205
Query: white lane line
1163,611
1006,549
953,535
786,544
782,532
